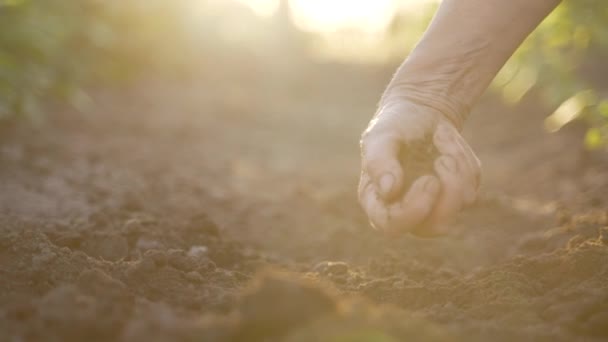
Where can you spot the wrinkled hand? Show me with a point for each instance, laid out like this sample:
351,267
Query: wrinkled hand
431,199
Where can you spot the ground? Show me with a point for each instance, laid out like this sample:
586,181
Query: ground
222,207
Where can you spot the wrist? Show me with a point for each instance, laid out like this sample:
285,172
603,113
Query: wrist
449,82
432,99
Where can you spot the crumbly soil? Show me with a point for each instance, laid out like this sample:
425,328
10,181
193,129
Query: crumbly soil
222,207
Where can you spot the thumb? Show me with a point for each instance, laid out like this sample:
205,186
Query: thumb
380,161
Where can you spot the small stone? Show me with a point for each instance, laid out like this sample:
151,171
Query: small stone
337,267
197,251
333,267
144,244
321,267
179,260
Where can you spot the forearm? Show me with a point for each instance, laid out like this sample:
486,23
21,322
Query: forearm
465,46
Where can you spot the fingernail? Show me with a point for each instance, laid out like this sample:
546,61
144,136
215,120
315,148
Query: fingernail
386,184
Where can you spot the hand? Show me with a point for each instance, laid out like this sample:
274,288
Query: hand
432,198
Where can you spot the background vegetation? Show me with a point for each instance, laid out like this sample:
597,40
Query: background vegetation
53,50
564,60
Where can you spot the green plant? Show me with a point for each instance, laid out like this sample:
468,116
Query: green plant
553,59
52,49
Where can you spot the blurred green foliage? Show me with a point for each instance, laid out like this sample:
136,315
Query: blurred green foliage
563,59
33,38
51,49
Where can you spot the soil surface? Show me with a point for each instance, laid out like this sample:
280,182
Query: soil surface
222,207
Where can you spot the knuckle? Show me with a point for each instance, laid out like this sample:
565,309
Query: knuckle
365,140
379,131
369,135
371,128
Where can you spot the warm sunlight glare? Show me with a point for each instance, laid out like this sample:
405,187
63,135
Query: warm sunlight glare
332,15
328,16
262,8
351,29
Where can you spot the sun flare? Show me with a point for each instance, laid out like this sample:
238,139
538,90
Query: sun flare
333,15
262,8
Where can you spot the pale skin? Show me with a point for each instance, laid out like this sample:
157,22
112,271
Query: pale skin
432,93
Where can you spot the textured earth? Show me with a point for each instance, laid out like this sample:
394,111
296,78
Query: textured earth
222,207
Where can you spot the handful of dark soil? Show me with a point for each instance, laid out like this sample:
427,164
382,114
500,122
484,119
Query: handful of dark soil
417,159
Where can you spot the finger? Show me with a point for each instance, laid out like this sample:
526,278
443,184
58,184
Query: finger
449,142
416,205
474,173
363,184
473,161
380,161
374,208
451,199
